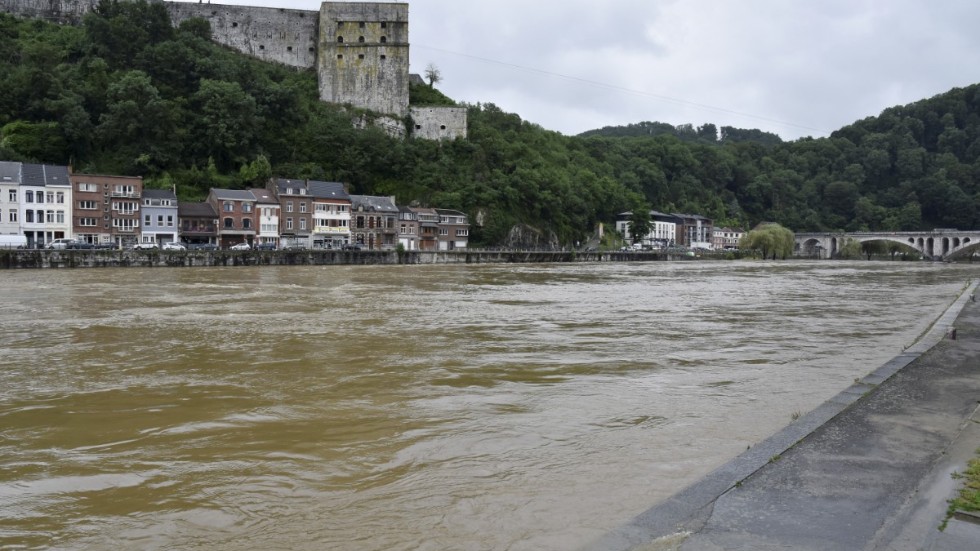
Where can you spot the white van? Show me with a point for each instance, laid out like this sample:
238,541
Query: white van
13,241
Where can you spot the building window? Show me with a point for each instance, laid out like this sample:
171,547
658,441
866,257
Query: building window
170,220
88,187
233,25
246,207
247,224
261,46
48,217
361,24
360,56
159,220
229,223
13,216
61,217
384,39
289,223
28,196
61,198
146,220
289,48
384,24
13,196
302,223
289,206
340,56
228,206
88,222
340,40
383,57
87,205
360,39
302,207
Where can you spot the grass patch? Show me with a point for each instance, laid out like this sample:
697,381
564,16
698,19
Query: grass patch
968,498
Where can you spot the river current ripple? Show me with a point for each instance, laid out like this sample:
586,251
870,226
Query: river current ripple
491,407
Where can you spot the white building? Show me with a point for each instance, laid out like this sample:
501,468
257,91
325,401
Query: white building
663,230
267,210
45,207
10,198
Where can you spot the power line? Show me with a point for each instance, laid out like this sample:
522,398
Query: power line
615,88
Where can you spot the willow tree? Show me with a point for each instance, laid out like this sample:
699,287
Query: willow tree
772,240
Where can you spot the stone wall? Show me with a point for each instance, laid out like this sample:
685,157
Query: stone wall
439,123
55,11
363,55
270,34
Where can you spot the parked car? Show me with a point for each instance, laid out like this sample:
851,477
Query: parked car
203,246
145,246
80,245
106,245
174,246
352,247
265,247
13,242
60,243
241,247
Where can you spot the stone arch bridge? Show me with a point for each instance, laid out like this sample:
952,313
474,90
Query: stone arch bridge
939,244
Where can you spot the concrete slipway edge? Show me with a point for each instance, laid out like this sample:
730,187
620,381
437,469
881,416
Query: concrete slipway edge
686,510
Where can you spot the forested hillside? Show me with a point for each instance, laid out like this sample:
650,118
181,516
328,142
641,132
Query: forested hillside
125,93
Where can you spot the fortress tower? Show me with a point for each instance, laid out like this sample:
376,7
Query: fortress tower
363,55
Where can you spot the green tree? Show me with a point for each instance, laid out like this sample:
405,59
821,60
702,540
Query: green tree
639,223
771,240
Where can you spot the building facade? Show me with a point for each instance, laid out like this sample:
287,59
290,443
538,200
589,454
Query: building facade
160,217
236,216
198,223
454,230
295,211
726,238
663,230
331,214
266,217
10,175
45,209
106,209
374,222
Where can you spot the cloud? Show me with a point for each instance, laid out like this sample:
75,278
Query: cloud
793,67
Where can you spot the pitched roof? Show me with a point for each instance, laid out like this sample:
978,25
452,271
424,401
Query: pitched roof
45,175
373,203
264,196
282,184
186,209
158,194
9,172
232,194
328,190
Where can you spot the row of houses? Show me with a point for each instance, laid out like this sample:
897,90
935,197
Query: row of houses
686,230
48,202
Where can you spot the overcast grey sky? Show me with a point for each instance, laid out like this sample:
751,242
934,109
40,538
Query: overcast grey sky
792,67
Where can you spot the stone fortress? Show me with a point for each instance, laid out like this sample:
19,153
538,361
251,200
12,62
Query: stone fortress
360,51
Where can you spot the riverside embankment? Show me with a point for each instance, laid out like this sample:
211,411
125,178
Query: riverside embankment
869,469
37,259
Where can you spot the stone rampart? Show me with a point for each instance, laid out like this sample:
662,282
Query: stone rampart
439,123
56,11
279,35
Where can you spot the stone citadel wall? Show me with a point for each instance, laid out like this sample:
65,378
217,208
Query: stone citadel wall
360,50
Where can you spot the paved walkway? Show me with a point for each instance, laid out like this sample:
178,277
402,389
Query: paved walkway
868,470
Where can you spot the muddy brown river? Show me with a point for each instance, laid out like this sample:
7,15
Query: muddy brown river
490,407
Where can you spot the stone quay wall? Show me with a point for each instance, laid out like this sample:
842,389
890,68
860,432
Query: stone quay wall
44,259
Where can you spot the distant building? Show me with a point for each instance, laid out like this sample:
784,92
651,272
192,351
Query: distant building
726,238
331,214
694,231
10,197
198,223
45,207
236,216
295,212
408,228
373,222
266,217
454,230
663,230
160,216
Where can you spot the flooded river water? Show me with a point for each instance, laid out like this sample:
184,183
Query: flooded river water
491,407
